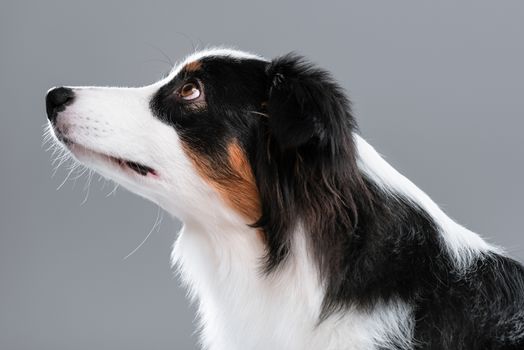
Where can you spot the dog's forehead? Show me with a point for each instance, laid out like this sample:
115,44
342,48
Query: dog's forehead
192,60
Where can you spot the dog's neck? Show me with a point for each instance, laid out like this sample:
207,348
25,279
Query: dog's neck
223,272
240,307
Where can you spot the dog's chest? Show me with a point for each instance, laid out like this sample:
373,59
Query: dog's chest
240,308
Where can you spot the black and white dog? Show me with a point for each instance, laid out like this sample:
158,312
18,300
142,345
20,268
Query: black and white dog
297,234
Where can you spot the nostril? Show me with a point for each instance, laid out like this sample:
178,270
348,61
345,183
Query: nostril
57,99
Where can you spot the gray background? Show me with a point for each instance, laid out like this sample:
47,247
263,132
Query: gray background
437,87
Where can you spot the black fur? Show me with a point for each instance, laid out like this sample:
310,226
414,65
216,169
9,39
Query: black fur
309,170
370,246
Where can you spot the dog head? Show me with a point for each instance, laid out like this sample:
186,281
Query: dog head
270,140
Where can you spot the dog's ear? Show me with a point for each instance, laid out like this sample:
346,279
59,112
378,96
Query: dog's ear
305,105
305,169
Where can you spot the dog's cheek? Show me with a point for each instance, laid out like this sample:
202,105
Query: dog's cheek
231,176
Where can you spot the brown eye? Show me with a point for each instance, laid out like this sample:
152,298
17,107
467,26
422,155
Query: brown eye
189,91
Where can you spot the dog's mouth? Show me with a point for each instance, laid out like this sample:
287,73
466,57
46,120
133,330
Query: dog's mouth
124,164
138,168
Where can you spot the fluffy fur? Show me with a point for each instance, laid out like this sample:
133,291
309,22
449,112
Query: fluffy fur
297,234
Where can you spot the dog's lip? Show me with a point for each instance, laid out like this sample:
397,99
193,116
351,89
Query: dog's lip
125,164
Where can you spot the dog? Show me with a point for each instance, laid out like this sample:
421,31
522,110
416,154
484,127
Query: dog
297,234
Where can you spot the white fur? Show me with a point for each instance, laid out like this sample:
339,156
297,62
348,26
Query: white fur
240,308
218,256
463,245
215,52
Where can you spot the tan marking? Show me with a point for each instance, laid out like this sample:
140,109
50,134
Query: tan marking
193,66
232,178
244,197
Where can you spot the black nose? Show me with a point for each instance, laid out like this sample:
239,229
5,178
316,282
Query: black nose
56,100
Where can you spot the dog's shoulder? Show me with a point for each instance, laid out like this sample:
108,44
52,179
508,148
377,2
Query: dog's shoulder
481,308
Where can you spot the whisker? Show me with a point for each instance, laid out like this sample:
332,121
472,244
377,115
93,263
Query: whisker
112,191
87,187
170,61
82,172
157,60
158,221
66,178
62,159
260,113
191,40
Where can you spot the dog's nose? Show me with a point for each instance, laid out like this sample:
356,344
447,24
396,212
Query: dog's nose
56,100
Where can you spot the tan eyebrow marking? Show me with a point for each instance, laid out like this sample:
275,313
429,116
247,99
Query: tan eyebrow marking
193,66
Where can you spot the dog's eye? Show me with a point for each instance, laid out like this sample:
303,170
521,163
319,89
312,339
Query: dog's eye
189,91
